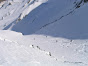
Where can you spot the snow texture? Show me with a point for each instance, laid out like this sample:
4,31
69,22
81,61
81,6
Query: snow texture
43,33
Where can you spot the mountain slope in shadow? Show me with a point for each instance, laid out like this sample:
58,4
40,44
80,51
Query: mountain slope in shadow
48,19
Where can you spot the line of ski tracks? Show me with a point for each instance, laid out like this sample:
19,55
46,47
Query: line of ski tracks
39,49
30,46
58,19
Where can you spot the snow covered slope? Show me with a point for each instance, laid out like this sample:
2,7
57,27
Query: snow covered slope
15,54
11,10
34,50
41,16
48,33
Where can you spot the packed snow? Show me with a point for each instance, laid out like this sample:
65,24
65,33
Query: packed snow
43,33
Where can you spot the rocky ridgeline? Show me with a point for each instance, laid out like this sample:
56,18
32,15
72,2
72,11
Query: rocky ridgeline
81,2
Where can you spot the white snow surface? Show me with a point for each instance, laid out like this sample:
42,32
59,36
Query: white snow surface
43,33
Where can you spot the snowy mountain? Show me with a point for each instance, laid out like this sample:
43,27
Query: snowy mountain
43,33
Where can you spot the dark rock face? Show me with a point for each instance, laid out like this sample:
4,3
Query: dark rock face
78,4
85,0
